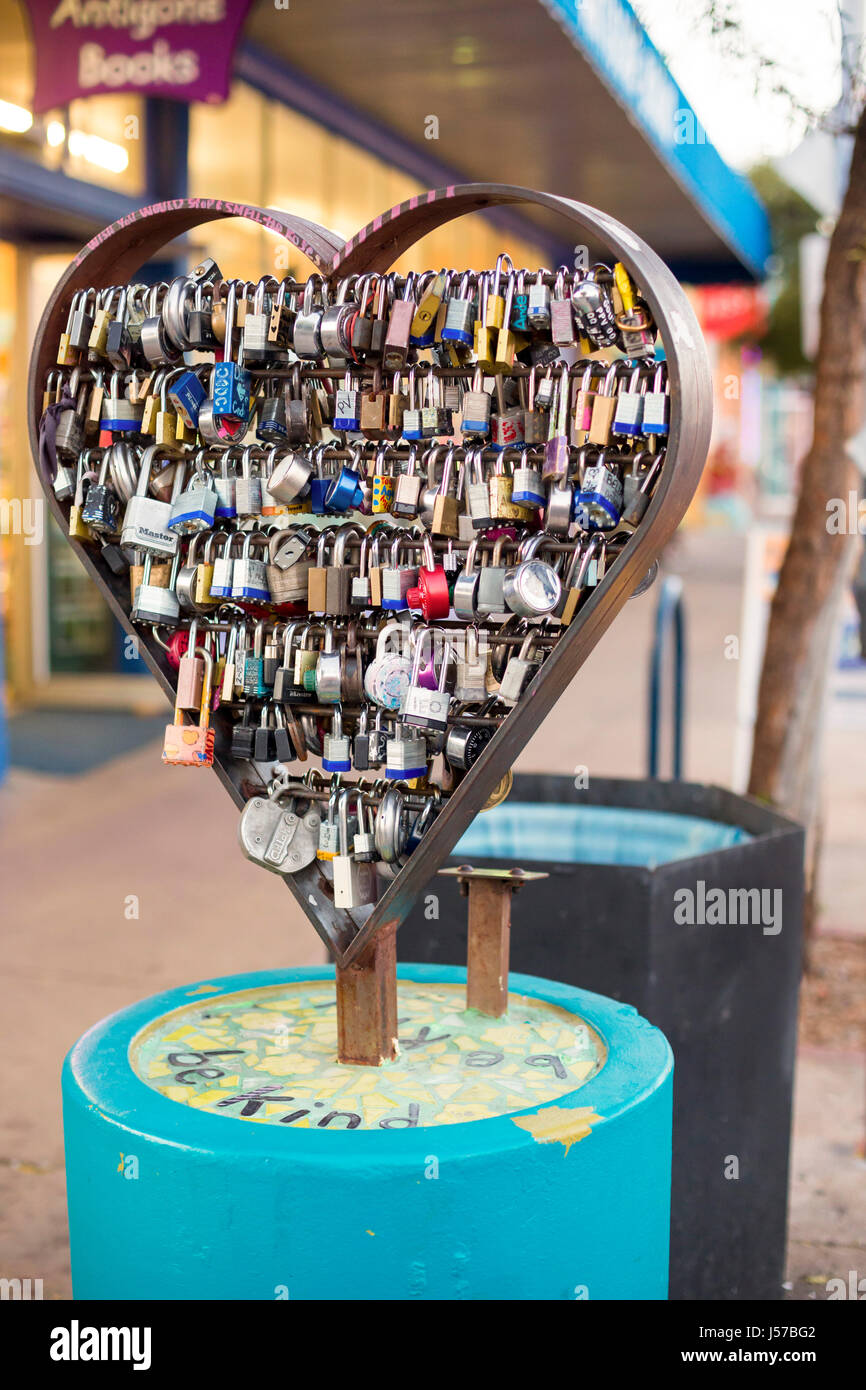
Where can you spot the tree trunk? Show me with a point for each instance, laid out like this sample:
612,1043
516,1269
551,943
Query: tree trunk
818,563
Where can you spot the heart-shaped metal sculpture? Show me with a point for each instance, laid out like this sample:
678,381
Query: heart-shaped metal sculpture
116,253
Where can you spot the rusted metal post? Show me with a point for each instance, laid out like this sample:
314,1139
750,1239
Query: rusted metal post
489,940
367,1004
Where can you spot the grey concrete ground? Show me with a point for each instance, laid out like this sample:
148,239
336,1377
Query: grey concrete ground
75,852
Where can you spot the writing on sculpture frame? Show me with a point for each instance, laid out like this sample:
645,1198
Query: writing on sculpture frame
269,1055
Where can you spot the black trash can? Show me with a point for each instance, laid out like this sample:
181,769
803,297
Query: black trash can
687,902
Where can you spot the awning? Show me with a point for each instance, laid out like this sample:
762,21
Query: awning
569,96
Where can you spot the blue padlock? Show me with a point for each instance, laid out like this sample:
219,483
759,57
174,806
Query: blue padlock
344,491
187,395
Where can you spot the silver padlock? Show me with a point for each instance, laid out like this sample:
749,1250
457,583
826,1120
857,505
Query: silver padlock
519,672
424,708
146,520
532,587
354,880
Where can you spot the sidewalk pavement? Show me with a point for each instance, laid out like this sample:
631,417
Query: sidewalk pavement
127,880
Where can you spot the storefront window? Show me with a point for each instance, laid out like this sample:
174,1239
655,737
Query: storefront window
260,152
99,140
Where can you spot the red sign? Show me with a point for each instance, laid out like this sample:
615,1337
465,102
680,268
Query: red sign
159,48
730,311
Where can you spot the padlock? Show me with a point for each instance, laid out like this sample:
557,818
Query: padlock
484,333
326,677
407,489
335,329
577,577
317,576
519,672
478,491
282,321
562,328
430,595
289,566
329,830
97,343
337,748
598,504
531,588
465,595
119,414
635,324
528,485
244,735
81,318
396,345
473,661
84,476
192,745
557,452
477,405
273,834
397,579
223,567
257,348
383,485
146,520
365,836
253,682
538,306
347,409
461,313
264,737
638,503
405,755
362,324
156,603
656,401
339,576
101,508
69,439
190,673
465,744
290,477
306,337
432,289
361,741
249,486
250,575
593,309
411,423
289,687
117,345
444,520
500,487
490,581
628,414
508,342
603,407
195,507
354,880
435,416
230,382
386,678
156,345
581,418
199,321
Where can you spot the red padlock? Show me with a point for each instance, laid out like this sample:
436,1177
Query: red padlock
176,647
431,594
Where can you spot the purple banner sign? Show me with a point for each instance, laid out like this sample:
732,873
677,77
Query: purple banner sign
159,48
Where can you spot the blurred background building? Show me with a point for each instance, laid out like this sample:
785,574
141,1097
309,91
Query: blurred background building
573,99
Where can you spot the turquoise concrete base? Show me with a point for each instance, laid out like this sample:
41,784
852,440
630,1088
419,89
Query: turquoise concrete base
230,1209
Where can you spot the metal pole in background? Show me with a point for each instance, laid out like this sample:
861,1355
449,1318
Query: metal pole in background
669,617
